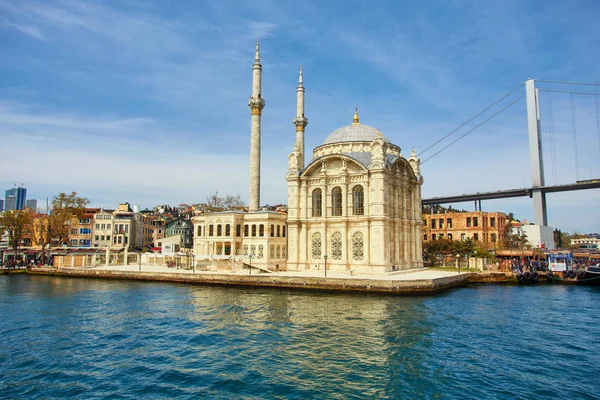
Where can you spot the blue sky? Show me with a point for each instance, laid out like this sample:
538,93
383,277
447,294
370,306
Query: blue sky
146,101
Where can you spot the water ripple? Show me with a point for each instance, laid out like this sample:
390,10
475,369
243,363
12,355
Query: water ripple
74,338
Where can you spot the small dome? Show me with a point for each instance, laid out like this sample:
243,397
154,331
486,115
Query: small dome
355,132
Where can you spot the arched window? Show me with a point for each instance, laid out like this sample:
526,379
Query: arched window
246,234
219,230
227,230
358,200
317,202
272,230
358,247
261,230
238,230
283,231
336,199
211,230
253,230
316,245
278,231
336,246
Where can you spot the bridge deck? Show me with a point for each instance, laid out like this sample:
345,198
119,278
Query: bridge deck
510,193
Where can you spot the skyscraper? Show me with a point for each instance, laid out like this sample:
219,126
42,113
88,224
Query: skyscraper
31,204
1,205
14,199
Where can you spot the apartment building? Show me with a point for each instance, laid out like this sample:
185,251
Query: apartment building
103,228
486,227
81,230
123,226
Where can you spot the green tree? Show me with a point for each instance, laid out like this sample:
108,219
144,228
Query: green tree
16,224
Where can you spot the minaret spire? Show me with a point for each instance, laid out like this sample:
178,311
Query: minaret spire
256,104
300,121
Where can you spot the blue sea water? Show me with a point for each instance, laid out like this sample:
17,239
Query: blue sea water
85,338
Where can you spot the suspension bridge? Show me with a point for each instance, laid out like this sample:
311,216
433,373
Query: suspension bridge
538,189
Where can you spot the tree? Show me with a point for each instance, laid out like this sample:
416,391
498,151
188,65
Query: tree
16,223
55,225
214,202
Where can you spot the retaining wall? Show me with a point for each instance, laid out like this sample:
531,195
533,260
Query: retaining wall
423,286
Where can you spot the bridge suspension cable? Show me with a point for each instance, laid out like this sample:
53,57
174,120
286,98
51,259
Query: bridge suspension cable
552,142
470,120
471,130
569,83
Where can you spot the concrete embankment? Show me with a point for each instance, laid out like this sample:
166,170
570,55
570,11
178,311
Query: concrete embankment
354,284
492,277
12,271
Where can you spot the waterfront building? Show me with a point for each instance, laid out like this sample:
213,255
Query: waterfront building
81,231
356,204
481,226
538,236
357,201
586,242
183,227
14,199
103,222
124,226
149,228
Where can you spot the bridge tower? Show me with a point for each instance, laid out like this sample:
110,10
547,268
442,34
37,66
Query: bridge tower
540,215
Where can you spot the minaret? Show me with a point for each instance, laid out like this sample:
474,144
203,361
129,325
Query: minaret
300,121
256,104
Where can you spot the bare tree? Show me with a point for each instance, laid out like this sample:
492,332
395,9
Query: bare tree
214,202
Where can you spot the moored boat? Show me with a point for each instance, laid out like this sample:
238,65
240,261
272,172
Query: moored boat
591,275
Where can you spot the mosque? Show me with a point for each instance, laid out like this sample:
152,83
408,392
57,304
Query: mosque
356,205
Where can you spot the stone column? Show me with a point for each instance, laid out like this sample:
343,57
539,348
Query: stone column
405,244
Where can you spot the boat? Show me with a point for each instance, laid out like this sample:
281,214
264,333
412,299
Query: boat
591,276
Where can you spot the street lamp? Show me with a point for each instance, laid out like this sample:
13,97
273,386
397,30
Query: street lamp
325,257
250,269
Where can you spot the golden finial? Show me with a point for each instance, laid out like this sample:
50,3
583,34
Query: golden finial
356,115
378,133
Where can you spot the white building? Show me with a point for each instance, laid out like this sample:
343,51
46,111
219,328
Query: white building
586,242
538,236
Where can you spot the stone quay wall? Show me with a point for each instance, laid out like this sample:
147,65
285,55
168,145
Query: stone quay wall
359,285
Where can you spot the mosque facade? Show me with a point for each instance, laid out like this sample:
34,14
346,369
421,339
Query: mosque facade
356,205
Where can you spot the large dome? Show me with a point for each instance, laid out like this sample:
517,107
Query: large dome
355,132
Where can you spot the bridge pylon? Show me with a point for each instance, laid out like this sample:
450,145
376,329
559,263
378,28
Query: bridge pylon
540,215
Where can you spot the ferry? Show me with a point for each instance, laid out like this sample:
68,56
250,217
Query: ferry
560,264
